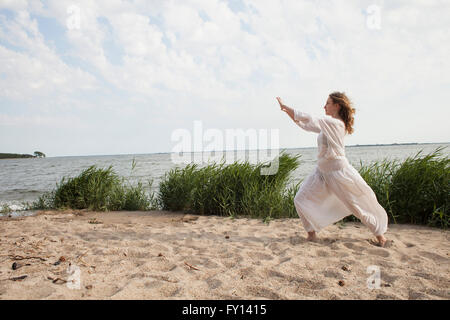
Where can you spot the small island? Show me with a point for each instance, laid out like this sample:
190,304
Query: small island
37,154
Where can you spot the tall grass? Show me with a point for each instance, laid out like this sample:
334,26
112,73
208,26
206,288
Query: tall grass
230,190
96,189
416,190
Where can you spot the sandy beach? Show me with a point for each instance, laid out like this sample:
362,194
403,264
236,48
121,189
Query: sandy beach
164,255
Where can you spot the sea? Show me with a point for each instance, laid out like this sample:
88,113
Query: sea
25,179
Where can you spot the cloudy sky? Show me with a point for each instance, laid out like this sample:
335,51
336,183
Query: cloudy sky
120,77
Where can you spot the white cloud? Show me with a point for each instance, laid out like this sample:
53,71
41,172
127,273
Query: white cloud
36,70
13,4
200,59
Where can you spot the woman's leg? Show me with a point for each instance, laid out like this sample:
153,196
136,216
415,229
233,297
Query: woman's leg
369,221
359,198
310,195
308,227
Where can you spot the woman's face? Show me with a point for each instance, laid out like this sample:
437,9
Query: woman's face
331,108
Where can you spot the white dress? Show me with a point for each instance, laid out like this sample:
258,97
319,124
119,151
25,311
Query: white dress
335,189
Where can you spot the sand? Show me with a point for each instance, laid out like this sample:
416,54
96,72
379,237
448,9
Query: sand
166,255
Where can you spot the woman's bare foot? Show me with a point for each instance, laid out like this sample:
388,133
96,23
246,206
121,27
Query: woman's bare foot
381,240
311,236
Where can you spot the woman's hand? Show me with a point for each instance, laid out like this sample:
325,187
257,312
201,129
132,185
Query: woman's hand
282,106
286,109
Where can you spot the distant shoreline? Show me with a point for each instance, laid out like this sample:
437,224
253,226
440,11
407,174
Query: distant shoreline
127,154
15,156
389,144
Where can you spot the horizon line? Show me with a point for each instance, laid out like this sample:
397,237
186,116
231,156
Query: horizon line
315,147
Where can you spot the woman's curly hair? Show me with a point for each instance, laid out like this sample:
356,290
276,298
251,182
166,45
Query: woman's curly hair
347,111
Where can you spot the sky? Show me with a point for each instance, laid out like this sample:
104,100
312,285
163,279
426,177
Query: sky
124,77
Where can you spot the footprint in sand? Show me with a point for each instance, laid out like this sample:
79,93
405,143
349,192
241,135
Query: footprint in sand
382,296
424,275
301,282
296,240
274,246
213,283
332,274
274,273
309,284
111,291
225,255
388,278
415,295
44,292
322,253
387,244
132,253
342,254
406,258
258,291
138,275
352,246
244,272
99,252
158,264
204,262
433,256
283,260
438,293
169,290
327,241
232,263
156,247
260,256
153,284
379,252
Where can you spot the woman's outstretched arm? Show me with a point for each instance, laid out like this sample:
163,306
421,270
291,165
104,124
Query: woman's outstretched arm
286,109
303,120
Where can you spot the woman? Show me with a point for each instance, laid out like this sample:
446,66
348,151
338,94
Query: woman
335,189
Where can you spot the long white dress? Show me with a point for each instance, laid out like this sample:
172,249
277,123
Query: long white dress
335,189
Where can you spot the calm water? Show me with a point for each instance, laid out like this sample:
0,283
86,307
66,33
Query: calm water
27,179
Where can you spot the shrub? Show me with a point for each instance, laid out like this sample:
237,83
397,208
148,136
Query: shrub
416,190
235,189
96,189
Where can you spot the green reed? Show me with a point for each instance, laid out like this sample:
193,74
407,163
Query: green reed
230,190
96,189
416,190
5,208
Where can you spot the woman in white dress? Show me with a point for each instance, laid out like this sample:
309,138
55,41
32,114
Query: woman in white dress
335,189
